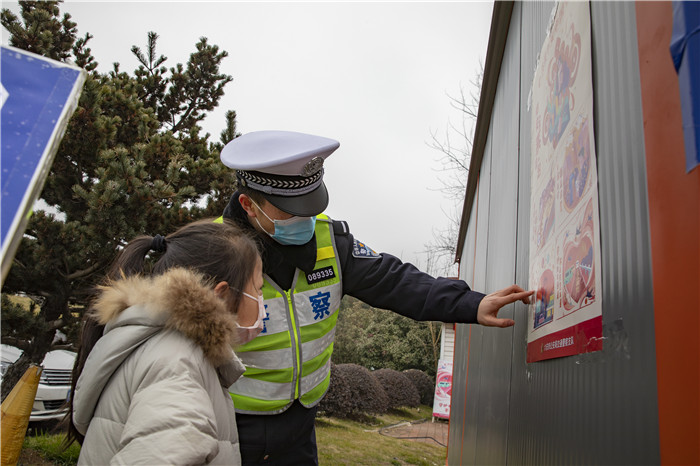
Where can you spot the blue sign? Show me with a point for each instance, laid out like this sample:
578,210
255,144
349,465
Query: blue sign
685,52
38,97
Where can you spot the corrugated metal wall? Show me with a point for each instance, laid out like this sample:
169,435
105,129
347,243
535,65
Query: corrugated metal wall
598,408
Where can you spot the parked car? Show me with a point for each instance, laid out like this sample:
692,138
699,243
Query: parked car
54,383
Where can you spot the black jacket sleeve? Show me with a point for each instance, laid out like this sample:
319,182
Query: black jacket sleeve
383,281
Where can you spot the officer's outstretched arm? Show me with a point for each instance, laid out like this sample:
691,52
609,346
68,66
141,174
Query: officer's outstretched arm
487,314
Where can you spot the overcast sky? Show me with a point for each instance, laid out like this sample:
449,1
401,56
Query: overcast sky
374,76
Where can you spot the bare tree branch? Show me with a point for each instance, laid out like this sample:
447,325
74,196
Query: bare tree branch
454,161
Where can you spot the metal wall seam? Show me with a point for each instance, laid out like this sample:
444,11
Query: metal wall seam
493,406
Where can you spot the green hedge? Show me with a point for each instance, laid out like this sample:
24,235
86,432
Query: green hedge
398,388
353,391
423,383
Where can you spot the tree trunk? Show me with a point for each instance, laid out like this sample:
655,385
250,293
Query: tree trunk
52,309
34,355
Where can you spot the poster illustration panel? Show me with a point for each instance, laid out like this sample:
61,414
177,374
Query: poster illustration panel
566,315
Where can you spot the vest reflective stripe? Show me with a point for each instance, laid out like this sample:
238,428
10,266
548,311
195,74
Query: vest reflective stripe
313,347
284,375
266,343
315,378
291,357
251,388
276,359
318,362
317,392
250,404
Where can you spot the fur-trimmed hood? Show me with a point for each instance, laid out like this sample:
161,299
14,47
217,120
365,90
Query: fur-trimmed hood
179,299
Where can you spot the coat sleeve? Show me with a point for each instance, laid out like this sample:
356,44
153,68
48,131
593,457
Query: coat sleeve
384,281
171,418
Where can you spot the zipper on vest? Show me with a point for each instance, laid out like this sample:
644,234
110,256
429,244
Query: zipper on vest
296,344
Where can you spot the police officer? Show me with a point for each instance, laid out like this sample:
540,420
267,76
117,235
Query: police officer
310,261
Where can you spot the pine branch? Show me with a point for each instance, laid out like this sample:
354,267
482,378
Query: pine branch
24,345
56,324
139,56
66,347
83,273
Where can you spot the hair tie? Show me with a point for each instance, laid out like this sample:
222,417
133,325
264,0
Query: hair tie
158,243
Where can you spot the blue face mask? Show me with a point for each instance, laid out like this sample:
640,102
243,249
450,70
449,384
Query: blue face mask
292,231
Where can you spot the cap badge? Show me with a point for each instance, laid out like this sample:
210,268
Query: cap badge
312,166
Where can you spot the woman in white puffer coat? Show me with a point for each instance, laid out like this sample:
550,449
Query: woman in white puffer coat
151,378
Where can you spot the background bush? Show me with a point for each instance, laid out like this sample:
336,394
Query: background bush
353,391
423,383
398,388
339,400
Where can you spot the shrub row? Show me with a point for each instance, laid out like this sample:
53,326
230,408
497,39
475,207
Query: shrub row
355,390
423,383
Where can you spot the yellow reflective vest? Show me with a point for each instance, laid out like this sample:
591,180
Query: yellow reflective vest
291,358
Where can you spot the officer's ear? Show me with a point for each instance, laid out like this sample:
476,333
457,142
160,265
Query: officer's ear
247,204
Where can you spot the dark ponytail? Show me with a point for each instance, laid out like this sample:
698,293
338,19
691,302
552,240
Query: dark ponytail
219,251
132,260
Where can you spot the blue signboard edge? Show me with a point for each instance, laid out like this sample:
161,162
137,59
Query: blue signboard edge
15,232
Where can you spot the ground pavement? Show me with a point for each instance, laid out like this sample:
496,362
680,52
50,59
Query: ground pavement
433,432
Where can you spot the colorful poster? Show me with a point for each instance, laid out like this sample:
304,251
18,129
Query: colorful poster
443,390
566,316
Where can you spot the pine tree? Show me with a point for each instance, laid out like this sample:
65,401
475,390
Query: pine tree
133,161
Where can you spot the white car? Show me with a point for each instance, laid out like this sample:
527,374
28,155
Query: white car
54,383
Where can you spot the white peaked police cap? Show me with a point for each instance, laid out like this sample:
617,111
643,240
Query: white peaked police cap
285,166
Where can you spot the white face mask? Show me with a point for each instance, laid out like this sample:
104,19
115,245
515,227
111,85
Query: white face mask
246,334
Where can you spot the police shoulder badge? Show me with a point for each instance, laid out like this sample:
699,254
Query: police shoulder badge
360,249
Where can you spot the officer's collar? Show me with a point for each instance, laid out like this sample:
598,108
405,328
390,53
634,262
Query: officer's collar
275,255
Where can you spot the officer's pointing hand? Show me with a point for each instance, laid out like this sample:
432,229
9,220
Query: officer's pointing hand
487,313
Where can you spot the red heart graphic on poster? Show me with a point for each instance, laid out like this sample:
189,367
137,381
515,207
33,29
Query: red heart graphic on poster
578,270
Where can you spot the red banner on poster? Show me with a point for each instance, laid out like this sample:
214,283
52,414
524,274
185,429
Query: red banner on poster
580,338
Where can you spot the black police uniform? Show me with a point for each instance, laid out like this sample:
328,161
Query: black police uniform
380,280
